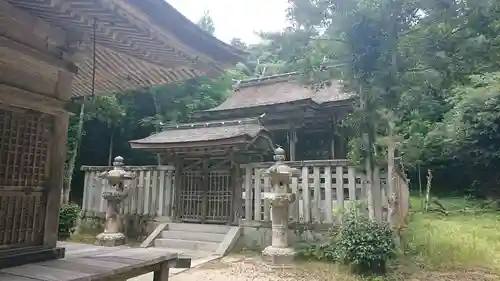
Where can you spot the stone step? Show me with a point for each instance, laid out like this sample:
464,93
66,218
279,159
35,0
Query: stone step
187,244
192,227
193,236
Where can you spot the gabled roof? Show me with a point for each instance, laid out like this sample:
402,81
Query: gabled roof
203,134
139,42
280,89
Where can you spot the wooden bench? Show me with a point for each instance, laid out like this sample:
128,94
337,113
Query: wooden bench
99,264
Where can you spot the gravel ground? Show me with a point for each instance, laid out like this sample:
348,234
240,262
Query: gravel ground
252,268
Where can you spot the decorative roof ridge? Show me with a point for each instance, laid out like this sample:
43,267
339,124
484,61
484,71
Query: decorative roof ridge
270,79
216,123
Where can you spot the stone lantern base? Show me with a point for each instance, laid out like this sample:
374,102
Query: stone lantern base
282,257
108,239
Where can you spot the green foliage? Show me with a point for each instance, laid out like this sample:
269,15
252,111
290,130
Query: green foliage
326,251
207,23
363,244
68,216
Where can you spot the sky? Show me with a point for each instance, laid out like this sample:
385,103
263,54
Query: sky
237,18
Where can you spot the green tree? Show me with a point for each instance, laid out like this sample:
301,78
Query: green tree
207,23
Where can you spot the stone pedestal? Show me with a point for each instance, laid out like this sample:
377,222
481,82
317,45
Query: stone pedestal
279,253
110,239
112,235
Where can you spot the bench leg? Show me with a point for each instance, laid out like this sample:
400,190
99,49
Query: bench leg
162,273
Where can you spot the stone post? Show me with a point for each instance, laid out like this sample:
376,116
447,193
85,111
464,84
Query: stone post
280,197
112,235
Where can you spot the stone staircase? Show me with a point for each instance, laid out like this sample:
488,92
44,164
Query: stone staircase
198,239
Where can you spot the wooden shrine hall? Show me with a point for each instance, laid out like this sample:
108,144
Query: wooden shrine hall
210,151
52,51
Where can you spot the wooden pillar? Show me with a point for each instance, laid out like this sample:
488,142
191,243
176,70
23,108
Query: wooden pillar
56,176
237,202
179,171
334,133
204,182
292,140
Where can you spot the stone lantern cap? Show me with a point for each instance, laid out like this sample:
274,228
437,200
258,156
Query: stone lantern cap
118,175
280,173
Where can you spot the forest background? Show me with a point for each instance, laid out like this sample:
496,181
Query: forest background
427,73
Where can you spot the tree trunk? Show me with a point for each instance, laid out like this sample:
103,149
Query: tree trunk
110,146
73,154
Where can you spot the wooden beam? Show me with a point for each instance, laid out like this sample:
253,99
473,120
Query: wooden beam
36,54
56,175
20,98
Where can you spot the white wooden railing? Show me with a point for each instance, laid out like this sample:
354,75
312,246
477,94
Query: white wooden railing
151,192
323,187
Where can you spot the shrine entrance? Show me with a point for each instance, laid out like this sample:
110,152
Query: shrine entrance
207,158
206,197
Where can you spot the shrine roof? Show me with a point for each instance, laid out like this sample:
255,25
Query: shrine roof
280,89
202,132
139,43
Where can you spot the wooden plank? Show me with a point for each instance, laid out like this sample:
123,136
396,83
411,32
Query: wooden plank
134,200
10,277
257,198
149,240
154,194
44,273
377,193
147,192
161,193
351,175
140,254
85,191
102,203
248,193
294,207
339,179
140,193
316,204
169,193
267,206
306,195
83,265
328,195
96,189
90,191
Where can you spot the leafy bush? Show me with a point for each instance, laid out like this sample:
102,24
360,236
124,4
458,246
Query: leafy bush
318,251
68,215
363,244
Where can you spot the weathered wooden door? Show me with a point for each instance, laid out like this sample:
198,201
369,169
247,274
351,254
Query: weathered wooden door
24,148
206,197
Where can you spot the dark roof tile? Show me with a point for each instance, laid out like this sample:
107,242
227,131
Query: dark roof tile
279,89
205,131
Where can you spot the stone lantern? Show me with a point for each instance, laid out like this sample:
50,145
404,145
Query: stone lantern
280,197
112,235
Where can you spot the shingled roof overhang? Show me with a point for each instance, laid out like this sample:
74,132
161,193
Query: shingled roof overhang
262,95
228,134
139,42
